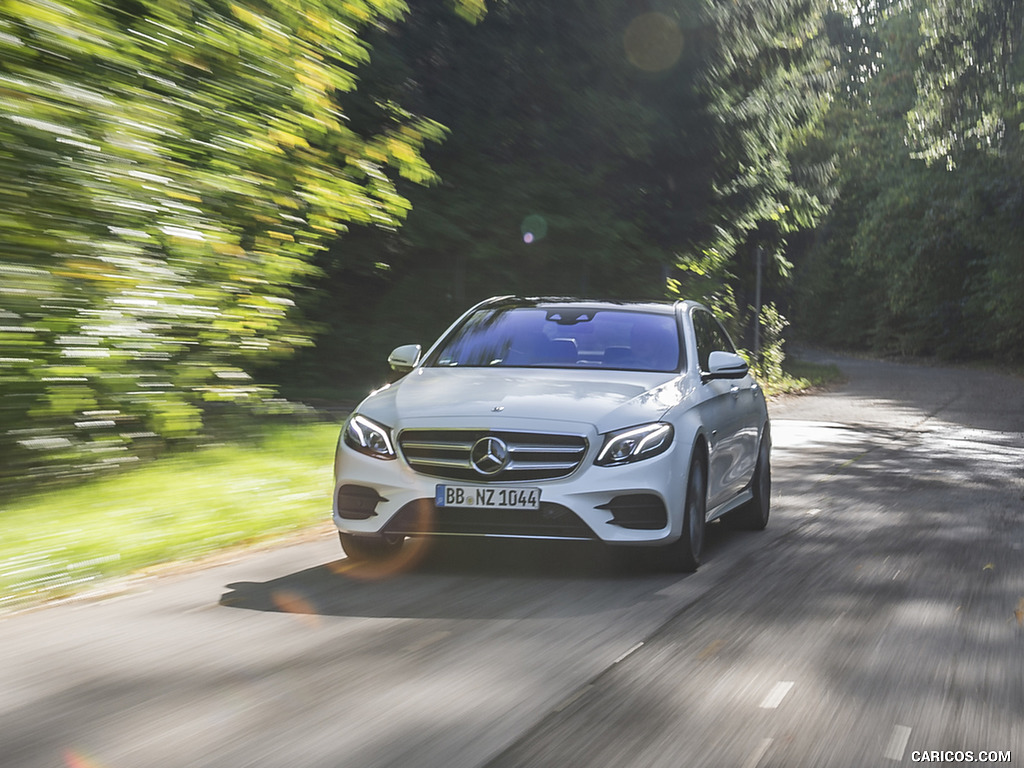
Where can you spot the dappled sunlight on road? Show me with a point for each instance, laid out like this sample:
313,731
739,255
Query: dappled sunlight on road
881,612
891,606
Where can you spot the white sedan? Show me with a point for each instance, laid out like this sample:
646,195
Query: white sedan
627,423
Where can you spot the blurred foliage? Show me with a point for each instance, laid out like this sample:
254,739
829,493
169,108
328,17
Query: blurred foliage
970,80
798,376
200,198
595,148
167,172
769,362
923,252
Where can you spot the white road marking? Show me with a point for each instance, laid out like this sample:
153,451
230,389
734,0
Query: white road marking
897,742
776,695
627,653
757,754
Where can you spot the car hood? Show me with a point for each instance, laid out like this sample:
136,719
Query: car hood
515,398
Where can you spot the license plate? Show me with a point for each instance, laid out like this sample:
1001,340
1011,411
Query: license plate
487,498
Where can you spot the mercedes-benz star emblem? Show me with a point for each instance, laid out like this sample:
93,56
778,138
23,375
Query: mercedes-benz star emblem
489,455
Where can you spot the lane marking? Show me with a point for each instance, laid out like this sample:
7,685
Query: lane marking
897,742
627,653
758,753
776,695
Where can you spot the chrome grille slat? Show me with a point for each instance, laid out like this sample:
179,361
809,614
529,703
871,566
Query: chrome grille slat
457,463
546,449
437,446
553,465
532,455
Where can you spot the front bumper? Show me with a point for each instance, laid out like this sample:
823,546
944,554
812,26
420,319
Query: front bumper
639,503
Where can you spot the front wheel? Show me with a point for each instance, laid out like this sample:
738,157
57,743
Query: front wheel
686,552
753,515
370,548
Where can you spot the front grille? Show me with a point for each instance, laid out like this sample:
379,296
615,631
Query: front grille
551,521
532,455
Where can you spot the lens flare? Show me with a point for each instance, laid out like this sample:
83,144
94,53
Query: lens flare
74,759
534,228
294,603
653,42
411,554
406,559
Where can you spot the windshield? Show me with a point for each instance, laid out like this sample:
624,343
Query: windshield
569,337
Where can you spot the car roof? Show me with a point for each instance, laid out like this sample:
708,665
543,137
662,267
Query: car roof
551,302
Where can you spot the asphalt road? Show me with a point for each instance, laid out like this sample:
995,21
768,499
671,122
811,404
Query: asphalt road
880,615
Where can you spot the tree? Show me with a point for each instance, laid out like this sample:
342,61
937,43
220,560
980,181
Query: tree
168,171
593,148
918,256
970,79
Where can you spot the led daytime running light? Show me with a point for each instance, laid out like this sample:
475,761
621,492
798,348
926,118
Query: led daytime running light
369,437
635,444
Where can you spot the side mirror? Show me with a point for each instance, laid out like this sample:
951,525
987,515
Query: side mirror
726,365
403,359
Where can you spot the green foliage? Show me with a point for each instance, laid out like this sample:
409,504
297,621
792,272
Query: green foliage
768,364
799,376
168,170
654,145
918,257
969,84
769,79
764,79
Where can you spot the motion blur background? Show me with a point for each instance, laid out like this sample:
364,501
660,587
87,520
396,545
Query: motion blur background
218,213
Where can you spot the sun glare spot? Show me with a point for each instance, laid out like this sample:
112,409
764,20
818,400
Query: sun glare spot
73,759
653,42
294,603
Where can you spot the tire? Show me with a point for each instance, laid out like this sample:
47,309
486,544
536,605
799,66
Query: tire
370,548
685,553
753,516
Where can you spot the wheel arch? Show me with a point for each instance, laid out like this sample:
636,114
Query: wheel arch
700,451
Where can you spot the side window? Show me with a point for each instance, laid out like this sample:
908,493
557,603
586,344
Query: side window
711,337
721,342
705,342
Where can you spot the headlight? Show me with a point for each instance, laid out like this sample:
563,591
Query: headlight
635,444
369,437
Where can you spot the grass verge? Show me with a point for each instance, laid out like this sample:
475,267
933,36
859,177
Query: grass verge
799,376
178,508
